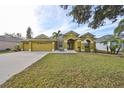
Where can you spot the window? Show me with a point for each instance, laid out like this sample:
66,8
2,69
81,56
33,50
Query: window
113,43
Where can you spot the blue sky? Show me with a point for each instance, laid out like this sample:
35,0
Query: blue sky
54,18
44,20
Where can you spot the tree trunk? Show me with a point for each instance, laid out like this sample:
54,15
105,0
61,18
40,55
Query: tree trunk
110,50
107,49
118,50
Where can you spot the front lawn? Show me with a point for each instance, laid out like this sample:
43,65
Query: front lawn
5,51
71,70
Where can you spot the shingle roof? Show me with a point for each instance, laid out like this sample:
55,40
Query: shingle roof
10,38
42,36
103,38
122,36
71,32
87,34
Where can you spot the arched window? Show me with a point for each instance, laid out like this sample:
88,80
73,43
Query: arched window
87,43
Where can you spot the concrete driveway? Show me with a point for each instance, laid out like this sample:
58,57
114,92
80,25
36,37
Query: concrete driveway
13,63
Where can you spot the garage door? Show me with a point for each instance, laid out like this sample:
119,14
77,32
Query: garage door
42,46
26,46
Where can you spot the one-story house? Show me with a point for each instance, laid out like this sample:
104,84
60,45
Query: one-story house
8,42
68,41
101,46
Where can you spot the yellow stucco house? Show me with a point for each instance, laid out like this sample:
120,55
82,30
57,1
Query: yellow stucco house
69,41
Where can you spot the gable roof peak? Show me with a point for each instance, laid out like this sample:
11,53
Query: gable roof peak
41,36
88,33
71,32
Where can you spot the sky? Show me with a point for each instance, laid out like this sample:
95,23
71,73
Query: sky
44,20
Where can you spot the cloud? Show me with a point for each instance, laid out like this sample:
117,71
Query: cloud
17,19
44,20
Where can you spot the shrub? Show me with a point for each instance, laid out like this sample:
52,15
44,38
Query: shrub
123,50
113,48
7,49
17,48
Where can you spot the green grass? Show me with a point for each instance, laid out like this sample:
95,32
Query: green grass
71,70
5,51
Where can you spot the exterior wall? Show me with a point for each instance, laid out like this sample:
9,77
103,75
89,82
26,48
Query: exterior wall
65,44
4,45
38,46
75,45
70,36
100,46
92,43
53,46
41,46
82,46
92,46
78,45
26,46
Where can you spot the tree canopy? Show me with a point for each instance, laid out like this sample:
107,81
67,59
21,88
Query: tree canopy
95,15
29,33
55,35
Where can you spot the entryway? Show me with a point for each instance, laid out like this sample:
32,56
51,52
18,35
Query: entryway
70,44
87,45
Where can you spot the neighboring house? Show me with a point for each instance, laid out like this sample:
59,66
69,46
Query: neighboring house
122,37
68,41
101,46
8,42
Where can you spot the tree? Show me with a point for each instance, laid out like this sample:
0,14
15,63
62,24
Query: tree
119,42
55,35
120,28
117,46
11,34
18,35
29,33
95,15
114,48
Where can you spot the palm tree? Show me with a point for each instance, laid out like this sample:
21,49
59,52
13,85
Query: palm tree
119,42
55,35
120,28
113,47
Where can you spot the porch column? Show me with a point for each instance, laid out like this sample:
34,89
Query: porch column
82,46
92,47
22,46
65,45
78,45
30,46
53,46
